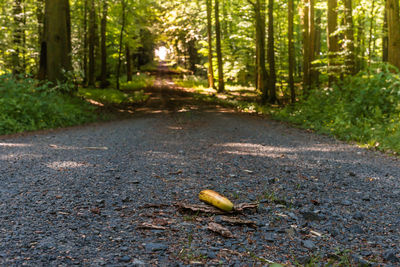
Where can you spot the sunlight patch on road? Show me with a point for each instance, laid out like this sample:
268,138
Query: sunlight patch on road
14,145
56,165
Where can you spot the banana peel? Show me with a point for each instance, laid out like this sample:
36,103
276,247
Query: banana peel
215,199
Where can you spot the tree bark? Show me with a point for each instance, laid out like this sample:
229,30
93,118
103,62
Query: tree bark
121,38
221,83
271,54
104,82
393,19
385,39
349,37
333,40
291,50
261,71
128,63
306,45
56,45
211,80
17,36
92,43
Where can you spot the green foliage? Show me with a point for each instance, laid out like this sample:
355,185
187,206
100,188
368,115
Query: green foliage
26,105
138,82
191,81
112,96
364,108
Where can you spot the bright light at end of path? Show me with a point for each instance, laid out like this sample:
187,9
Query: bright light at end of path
161,53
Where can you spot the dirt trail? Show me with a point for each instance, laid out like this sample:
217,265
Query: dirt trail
105,194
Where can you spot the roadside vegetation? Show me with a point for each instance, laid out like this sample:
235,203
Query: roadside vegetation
364,108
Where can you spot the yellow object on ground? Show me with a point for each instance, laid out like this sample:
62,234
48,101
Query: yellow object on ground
213,198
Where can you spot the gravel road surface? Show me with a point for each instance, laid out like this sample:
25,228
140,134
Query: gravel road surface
105,194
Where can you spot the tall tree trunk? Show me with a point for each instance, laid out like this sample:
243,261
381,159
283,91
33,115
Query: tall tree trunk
371,28
128,63
317,48
211,83
306,45
271,54
333,40
121,39
312,37
104,82
56,45
393,18
221,83
349,37
92,43
85,43
385,40
17,36
291,50
261,71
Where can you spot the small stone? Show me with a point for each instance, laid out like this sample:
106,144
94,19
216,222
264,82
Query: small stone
356,229
124,248
270,237
153,247
211,255
137,262
390,255
360,261
303,260
358,216
125,258
308,244
347,202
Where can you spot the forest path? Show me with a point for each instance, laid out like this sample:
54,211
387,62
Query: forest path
105,194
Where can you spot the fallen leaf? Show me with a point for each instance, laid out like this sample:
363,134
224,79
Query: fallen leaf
245,206
95,210
146,225
217,228
199,208
176,173
236,220
96,148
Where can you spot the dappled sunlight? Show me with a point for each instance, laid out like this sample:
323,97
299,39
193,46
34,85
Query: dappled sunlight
14,145
56,165
260,150
19,156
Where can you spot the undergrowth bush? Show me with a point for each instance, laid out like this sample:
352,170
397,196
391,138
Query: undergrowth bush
139,82
26,105
364,108
113,96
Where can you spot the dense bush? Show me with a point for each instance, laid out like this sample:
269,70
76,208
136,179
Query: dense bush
26,105
364,108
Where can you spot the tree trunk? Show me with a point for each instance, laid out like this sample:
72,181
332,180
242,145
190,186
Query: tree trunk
317,48
85,43
349,37
371,28
271,54
104,82
92,43
17,36
385,40
333,40
291,50
121,38
261,71
56,46
221,83
393,20
128,63
211,83
306,45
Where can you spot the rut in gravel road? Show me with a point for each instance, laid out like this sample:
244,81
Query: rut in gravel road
105,194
